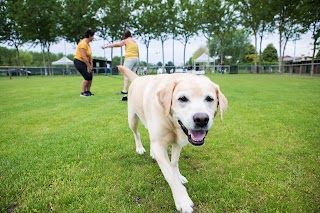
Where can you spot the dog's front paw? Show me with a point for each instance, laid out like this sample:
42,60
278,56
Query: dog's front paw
184,204
182,179
140,150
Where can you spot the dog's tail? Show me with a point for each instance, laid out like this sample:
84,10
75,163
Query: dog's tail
128,73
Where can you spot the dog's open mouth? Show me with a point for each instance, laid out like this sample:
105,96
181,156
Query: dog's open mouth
195,137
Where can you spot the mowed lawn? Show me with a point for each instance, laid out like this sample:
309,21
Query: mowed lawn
63,153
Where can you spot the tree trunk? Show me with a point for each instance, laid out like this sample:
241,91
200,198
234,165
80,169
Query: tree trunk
147,46
280,47
18,53
255,50
221,51
312,62
284,46
49,60
173,50
111,52
315,39
260,52
44,61
262,29
163,64
147,55
184,53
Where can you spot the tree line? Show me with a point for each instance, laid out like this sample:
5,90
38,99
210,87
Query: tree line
45,22
8,57
241,51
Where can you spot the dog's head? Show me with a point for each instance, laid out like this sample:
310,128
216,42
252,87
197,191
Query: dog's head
193,102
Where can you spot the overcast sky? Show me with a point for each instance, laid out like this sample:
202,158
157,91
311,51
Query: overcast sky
303,47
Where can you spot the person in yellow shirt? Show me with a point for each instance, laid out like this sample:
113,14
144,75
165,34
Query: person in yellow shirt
83,62
131,58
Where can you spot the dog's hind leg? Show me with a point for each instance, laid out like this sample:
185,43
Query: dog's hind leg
175,154
133,124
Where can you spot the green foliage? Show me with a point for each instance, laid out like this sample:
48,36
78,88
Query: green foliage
38,22
311,21
142,63
249,49
170,63
250,58
63,153
76,17
188,25
250,54
254,15
13,27
25,58
286,20
318,54
145,18
235,42
3,17
116,60
209,14
217,19
199,52
168,13
113,18
44,22
7,57
270,54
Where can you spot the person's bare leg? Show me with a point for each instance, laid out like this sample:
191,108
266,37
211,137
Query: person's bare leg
89,85
84,85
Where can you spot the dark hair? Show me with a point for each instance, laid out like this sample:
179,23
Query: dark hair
88,32
127,34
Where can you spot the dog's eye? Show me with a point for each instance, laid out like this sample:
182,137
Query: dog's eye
183,99
209,99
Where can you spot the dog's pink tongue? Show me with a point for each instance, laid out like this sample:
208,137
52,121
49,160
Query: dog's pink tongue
197,135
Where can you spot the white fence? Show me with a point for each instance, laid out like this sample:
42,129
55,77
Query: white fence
301,69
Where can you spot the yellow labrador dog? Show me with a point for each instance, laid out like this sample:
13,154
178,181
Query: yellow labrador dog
177,109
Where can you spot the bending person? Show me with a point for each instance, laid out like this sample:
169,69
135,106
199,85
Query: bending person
84,63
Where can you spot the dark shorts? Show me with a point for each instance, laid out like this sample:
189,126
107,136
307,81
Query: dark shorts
82,68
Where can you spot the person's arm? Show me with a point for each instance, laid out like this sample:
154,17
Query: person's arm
117,44
85,59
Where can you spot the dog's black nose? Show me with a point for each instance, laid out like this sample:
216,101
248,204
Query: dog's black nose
201,119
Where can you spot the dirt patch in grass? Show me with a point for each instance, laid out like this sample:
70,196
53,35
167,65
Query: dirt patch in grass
12,208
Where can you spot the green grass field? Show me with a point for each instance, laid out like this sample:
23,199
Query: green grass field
63,153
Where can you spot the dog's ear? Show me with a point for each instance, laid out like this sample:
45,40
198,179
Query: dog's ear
165,97
222,102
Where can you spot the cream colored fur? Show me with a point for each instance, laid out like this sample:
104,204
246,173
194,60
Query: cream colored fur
161,102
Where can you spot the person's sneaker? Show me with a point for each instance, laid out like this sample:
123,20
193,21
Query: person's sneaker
122,93
125,98
83,94
90,94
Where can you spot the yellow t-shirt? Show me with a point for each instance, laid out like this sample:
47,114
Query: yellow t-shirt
83,45
132,50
